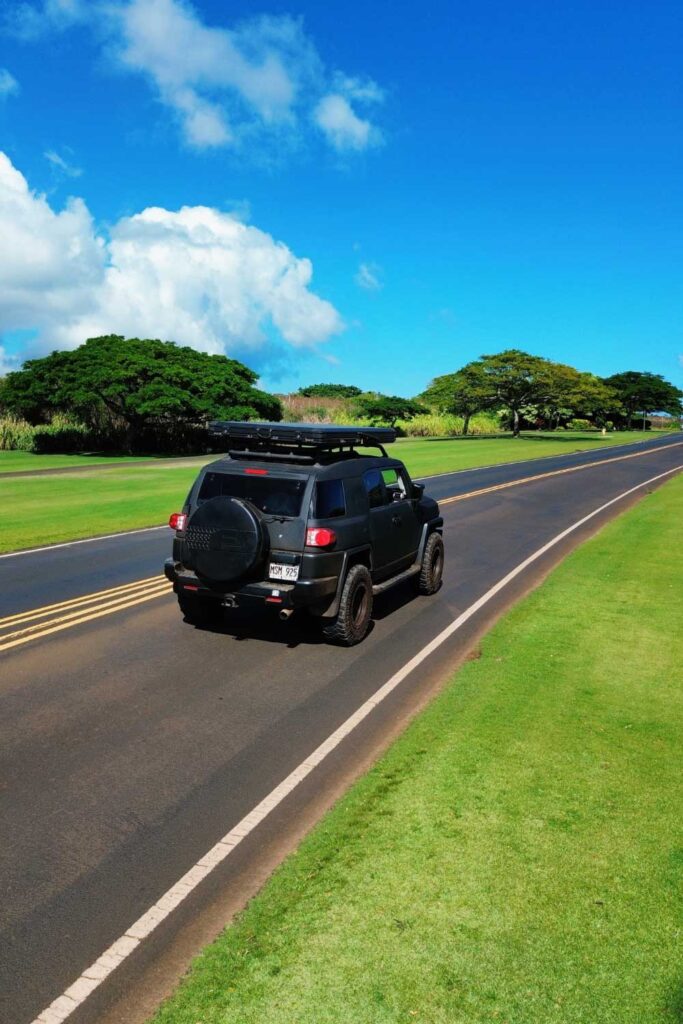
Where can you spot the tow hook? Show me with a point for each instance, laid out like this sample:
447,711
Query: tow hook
285,613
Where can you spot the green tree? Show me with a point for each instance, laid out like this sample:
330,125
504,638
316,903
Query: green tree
330,391
645,393
517,381
463,393
386,409
132,385
571,393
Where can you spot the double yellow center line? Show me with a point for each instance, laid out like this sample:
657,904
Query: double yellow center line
53,618
16,630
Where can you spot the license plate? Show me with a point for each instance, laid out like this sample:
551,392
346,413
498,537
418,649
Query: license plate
283,572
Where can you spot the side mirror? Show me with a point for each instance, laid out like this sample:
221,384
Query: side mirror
418,490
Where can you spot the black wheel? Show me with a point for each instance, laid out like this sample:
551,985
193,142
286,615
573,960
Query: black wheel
429,579
352,622
200,611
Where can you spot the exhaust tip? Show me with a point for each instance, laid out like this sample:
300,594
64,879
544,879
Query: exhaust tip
285,614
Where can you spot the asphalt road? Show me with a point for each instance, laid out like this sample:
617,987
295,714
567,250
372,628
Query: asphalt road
131,742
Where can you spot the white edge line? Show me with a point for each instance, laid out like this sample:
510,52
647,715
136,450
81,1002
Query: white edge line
83,540
93,976
434,476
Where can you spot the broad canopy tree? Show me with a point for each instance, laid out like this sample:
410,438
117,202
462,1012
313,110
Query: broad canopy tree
645,393
330,391
524,386
510,380
517,380
129,385
388,408
463,393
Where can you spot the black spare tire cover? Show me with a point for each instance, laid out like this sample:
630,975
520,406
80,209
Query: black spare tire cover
225,539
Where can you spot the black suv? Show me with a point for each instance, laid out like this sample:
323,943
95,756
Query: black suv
295,517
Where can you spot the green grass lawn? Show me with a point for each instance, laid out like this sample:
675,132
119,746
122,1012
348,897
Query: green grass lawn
424,456
37,510
26,462
47,509
517,856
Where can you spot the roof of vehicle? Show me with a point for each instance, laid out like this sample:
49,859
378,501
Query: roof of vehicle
326,450
335,468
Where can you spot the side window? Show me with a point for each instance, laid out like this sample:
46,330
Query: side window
329,499
395,484
374,486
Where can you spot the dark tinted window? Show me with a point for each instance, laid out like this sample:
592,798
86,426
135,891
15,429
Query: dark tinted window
329,499
274,495
374,485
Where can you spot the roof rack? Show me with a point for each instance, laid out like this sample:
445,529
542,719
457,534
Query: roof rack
297,442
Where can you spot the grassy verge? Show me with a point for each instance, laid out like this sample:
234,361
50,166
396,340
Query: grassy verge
27,462
424,456
48,509
517,856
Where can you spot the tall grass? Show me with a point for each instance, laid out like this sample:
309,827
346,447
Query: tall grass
62,434
15,435
299,409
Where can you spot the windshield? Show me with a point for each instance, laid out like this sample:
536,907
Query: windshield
274,495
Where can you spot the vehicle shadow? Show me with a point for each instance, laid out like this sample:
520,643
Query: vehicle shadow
263,624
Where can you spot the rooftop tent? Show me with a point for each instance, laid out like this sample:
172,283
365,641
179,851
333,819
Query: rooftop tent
279,437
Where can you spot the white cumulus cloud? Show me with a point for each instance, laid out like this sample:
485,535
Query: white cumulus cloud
224,83
343,128
8,84
198,276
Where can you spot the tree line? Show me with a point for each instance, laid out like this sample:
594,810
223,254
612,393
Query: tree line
541,393
529,391
150,395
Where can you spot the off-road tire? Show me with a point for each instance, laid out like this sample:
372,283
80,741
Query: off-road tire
352,621
429,578
200,611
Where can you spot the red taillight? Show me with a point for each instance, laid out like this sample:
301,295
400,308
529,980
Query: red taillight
319,537
178,521
256,472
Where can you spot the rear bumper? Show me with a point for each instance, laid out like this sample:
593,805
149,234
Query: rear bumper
302,594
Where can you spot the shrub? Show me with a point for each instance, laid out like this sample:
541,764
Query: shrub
52,438
578,424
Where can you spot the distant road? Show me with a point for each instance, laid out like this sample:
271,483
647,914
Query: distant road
131,742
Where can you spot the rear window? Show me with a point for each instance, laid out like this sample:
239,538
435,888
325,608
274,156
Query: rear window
329,499
273,495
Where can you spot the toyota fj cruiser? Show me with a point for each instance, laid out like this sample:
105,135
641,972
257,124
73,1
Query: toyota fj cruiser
294,516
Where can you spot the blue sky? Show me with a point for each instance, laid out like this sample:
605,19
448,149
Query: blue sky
462,177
